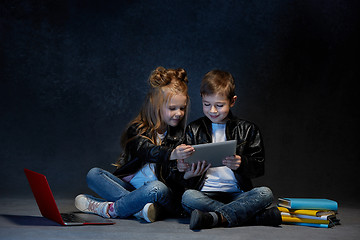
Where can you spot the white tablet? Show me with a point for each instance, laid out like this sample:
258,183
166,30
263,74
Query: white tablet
213,153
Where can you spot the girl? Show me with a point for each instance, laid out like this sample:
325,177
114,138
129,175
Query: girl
146,168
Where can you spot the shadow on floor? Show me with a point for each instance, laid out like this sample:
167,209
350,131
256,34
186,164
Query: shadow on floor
29,220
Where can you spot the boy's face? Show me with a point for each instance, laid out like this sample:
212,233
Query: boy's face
216,107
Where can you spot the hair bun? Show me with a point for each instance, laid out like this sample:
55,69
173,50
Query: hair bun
161,77
182,75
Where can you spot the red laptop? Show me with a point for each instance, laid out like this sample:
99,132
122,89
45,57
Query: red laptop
48,208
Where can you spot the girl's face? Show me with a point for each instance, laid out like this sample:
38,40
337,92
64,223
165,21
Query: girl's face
173,111
216,107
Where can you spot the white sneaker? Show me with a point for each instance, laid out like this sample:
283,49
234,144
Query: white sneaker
90,204
150,212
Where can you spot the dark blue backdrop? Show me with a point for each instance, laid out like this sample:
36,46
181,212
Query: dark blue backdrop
73,73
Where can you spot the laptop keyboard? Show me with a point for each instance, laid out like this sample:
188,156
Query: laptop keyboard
70,217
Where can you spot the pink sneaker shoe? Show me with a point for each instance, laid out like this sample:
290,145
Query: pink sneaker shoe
90,204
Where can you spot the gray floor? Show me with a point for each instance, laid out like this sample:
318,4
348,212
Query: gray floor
21,219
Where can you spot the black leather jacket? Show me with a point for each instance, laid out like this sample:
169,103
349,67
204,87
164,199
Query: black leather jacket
249,147
140,150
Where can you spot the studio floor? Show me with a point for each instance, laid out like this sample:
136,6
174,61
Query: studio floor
21,219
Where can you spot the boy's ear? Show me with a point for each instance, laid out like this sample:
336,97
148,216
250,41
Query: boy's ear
232,101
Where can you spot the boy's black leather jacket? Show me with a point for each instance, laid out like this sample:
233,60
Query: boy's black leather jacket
249,147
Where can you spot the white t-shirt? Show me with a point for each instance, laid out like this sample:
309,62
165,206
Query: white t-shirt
147,172
220,179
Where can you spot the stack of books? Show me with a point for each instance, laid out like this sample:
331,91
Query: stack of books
312,212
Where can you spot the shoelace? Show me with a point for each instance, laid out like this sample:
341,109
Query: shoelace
93,206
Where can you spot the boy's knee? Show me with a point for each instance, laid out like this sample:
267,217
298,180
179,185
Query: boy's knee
191,199
188,194
266,193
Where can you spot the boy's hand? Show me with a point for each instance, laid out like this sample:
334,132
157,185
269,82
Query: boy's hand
181,152
197,169
232,162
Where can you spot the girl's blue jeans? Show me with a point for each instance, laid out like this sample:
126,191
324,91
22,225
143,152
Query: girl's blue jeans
127,199
237,208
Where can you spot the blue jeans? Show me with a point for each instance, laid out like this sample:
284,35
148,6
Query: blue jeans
127,199
237,208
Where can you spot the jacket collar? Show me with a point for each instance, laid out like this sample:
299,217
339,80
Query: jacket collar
174,133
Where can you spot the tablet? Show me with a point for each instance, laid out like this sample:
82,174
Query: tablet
213,153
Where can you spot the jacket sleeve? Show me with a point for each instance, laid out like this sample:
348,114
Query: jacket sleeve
194,182
142,147
252,153
189,138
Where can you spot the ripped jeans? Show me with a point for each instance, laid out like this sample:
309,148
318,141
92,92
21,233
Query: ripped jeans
127,199
238,208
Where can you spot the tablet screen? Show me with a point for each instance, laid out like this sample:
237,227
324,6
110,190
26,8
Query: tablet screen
213,153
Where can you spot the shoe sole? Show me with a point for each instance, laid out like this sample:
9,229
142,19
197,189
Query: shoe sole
79,203
153,213
193,220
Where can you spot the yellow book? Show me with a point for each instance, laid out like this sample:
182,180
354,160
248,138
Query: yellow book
315,213
289,218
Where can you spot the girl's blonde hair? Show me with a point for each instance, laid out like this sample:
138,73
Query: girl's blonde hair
164,84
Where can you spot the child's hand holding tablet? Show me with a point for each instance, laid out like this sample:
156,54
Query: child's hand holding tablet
214,153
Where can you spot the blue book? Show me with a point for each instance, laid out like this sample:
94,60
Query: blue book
308,203
311,225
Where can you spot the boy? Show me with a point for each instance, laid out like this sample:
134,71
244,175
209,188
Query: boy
224,196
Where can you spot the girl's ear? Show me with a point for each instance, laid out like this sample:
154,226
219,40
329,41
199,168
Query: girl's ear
232,101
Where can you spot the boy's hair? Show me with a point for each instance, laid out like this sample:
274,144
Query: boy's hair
164,84
218,82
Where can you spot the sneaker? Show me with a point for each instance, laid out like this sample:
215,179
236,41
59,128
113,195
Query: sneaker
269,217
149,213
201,220
90,204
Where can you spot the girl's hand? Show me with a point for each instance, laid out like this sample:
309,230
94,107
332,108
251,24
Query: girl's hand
232,162
182,166
181,152
197,169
